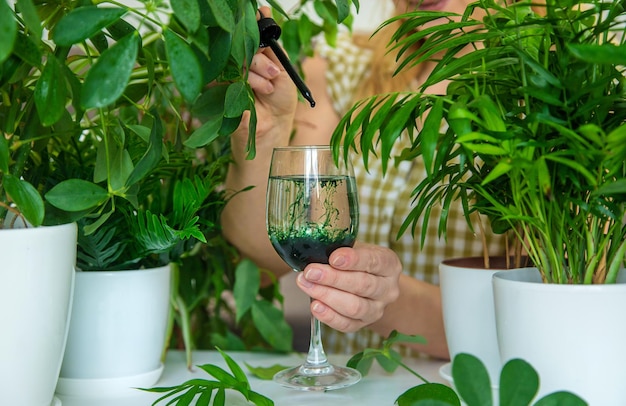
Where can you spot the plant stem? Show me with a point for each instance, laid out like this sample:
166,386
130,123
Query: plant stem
420,377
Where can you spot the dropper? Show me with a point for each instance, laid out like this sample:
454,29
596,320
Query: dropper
269,32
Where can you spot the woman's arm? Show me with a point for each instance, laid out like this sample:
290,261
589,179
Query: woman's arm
243,218
281,121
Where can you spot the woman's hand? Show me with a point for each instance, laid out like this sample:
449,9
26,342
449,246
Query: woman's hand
275,94
353,291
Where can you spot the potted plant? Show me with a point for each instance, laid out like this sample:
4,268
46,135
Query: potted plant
38,257
36,284
534,139
119,116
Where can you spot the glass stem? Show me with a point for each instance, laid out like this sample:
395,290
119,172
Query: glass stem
316,356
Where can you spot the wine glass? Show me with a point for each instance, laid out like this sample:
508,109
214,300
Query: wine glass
312,209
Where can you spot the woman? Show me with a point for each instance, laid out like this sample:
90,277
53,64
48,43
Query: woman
383,283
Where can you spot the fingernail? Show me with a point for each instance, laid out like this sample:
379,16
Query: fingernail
339,261
313,275
318,307
273,70
302,281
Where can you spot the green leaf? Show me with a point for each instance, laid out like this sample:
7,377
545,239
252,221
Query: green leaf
210,108
490,113
247,283
231,341
83,22
5,157
362,362
30,16
27,50
100,41
403,116
153,234
188,11
272,325
561,399
607,53
219,51
389,360
8,31
205,398
305,34
142,131
223,14
429,394
501,168
210,103
260,400
471,380
237,100
119,29
153,154
396,337
229,125
220,397
235,368
266,373
484,148
519,383
343,10
543,176
251,37
613,188
106,80
26,197
220,374
290,38
617,137
51,92
205,134
430,135
184,65
76,195
327,11
582,170
242,48
187,398
113,164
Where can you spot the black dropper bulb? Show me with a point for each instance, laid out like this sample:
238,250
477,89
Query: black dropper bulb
270,32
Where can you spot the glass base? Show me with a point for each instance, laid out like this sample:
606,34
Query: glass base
317,378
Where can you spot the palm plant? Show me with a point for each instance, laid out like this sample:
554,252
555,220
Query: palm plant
533,134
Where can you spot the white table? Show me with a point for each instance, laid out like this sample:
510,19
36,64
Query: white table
378,388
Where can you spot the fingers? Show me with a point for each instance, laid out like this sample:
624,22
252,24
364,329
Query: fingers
374,259
262,72
265,10
354,291
342,322
342,311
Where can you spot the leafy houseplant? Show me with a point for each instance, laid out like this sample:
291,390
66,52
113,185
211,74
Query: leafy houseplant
119,117
535,136
530,132
519,382
81,79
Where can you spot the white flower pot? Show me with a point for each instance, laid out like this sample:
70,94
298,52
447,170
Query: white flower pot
117,333
36,282
573,335
468,314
